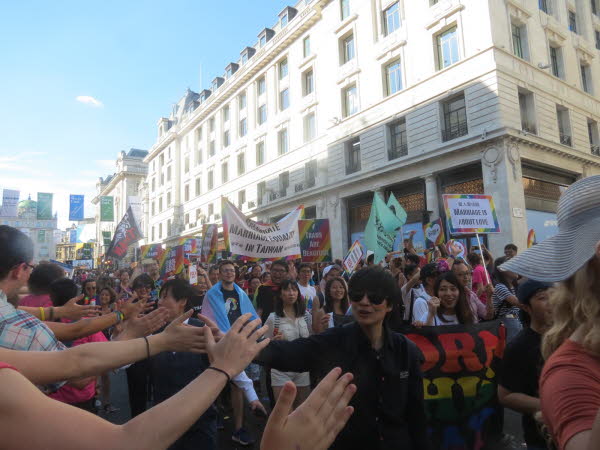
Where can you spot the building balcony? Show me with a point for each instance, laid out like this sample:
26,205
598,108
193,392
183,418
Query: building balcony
565,139
398,152
595,150
456,131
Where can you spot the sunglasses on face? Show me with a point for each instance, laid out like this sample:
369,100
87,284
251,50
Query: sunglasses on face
374,298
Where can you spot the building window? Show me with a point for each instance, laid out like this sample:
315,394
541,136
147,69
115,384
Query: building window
211,209
284,183
597,36
186,218
226,138
347,48
586,78
153,184
564,125
186,193
572,21
544,5
160,204
198,186
199,156
282,141
241,198
284,99
242,100
310,127
212,148
308,82
393,77
455,118
160,230
162,179
345,9
391,18
168,199
261,190
306,46
161,160
447,48
153,230
186,164
243,127
241,163
211,124
224,172
594,5
594,137
519,37
283,69
350,100
263,41
310,173
211,179
527,110
153,208
169,229
168,174
398,141
556,62
284,20
352,151
261,86
260,153
262,114
226,114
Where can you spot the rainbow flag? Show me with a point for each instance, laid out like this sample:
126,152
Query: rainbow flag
151,251
315,240
531,241
172,262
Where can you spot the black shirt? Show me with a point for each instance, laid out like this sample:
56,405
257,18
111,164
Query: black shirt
232,304
265,297
521,370
389,407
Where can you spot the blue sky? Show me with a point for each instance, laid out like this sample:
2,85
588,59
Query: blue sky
136,58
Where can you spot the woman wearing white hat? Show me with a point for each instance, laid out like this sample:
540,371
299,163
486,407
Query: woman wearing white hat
570,380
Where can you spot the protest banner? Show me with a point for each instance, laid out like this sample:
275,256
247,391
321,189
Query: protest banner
531,240
256,241
126,234
151,251
381,229
315,240
471,214
107,209
193,271
83,264
460,381
434,233
106,238
76,207
353,257
44,206
10,203
172,262
210,241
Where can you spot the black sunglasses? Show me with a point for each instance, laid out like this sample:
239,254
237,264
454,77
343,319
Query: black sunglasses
374,298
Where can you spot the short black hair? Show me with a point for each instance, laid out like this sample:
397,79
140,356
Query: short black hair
62,290
299,306
86,282
414,259
227,262
42,276
511,247
409,269
377,281
179,290
304,266
15,248
429,270
371,258
474,259
280,262
142,280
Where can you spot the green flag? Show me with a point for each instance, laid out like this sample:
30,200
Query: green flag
381,229
106,238
44,206
107,210
397,209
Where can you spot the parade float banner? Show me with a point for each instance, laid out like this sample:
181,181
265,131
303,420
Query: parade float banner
381,229
460,381
172,262
256,241
471,214
106,238
353,257
44,206
397,209
76,207
127,233
434,233
531,240
315,240
107,209
210,241
10,203
151,251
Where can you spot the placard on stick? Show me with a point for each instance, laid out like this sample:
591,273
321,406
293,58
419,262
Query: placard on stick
471,214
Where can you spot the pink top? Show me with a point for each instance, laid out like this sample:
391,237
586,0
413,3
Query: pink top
479,279
70,394
36,301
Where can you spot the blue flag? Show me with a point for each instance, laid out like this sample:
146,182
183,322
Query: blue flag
76,207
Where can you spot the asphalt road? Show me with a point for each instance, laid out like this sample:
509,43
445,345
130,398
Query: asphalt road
512,421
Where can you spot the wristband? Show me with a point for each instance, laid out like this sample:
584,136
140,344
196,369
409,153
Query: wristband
42,314
147,347
120,316
222,371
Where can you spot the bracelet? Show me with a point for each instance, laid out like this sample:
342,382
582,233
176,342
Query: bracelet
222,371
42,314
147,347
51,318
120,316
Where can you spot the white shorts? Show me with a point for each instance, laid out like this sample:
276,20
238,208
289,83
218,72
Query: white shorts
300,379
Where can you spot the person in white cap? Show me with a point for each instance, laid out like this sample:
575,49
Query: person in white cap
570,379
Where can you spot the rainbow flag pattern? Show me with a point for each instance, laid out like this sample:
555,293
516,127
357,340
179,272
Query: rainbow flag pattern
315,240
531,240
172,262
151,251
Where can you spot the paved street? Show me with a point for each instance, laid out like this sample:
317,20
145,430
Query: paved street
119,399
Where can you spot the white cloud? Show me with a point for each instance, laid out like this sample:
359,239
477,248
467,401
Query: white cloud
107,164
89,100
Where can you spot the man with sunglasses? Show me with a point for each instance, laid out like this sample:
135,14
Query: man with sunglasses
389,410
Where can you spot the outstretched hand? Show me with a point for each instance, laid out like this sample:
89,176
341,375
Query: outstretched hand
143,325
73,311
180,337
316,422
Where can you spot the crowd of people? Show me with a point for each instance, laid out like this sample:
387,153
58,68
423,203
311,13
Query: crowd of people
278,336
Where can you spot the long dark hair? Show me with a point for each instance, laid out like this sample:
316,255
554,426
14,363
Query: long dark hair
464,314
299,306
345,303
499,275
180,290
